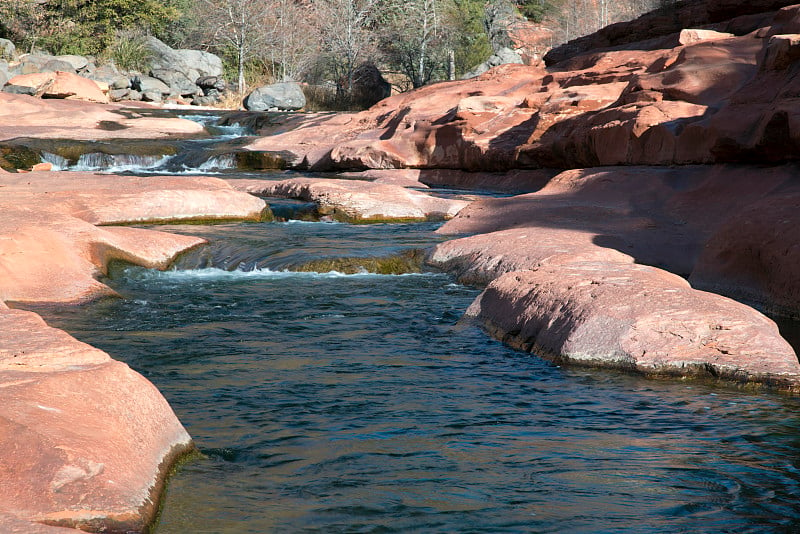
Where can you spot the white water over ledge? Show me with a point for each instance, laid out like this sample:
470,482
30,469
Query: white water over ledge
116,163
215,273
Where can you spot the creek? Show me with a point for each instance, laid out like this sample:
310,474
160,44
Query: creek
325,402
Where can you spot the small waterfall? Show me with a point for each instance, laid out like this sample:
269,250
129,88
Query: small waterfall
58,163
209,122
223,161
98,161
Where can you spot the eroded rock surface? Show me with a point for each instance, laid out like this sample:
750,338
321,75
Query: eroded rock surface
85,439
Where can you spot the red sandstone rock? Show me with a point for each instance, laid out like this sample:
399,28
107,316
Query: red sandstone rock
514,181
732,232
42,167
755,256
637,318
357,200
86,441
61,85
26,116
51,248
713,99
73,87
39,81
481,258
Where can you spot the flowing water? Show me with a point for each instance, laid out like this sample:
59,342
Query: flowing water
325,402
332,403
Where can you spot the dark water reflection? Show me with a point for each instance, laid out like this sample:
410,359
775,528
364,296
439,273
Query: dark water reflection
328,403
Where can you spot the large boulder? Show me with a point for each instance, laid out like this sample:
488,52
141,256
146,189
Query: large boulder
109,74
191,63
369,86
285,96
77,62
502,57
178,83
637,318
7,49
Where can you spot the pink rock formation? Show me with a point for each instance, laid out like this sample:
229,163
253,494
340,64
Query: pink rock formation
26,116
356,200
62,85
85,440
514,181
638,318
658,215
55,255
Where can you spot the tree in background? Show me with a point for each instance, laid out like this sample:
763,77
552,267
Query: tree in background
347,35
415,38
235,28
21,22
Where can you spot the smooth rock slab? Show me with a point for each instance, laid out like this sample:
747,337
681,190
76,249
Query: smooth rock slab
637,318
361,201
481,258
26,116
52,249
86,442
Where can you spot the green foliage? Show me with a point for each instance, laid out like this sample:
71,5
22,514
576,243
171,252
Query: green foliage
129,51
90,26
536,10
472,45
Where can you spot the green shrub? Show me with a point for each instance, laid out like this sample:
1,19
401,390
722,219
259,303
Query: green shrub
129,51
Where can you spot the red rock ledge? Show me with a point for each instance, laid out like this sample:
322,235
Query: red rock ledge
86,442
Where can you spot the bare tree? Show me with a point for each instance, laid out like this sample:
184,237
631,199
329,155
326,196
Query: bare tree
346,35
289,51
418,38
238,25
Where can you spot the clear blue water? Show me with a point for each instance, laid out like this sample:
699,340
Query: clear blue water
329,403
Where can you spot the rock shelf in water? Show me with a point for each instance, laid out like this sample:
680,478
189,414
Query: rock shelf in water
358,201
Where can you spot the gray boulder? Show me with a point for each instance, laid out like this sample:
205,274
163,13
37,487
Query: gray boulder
55,65
212,85
285,96
76,62
191,63
109,74
7,49
178,83
151,96
19,89
4,75
115,95
149,85
501,57
204,101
